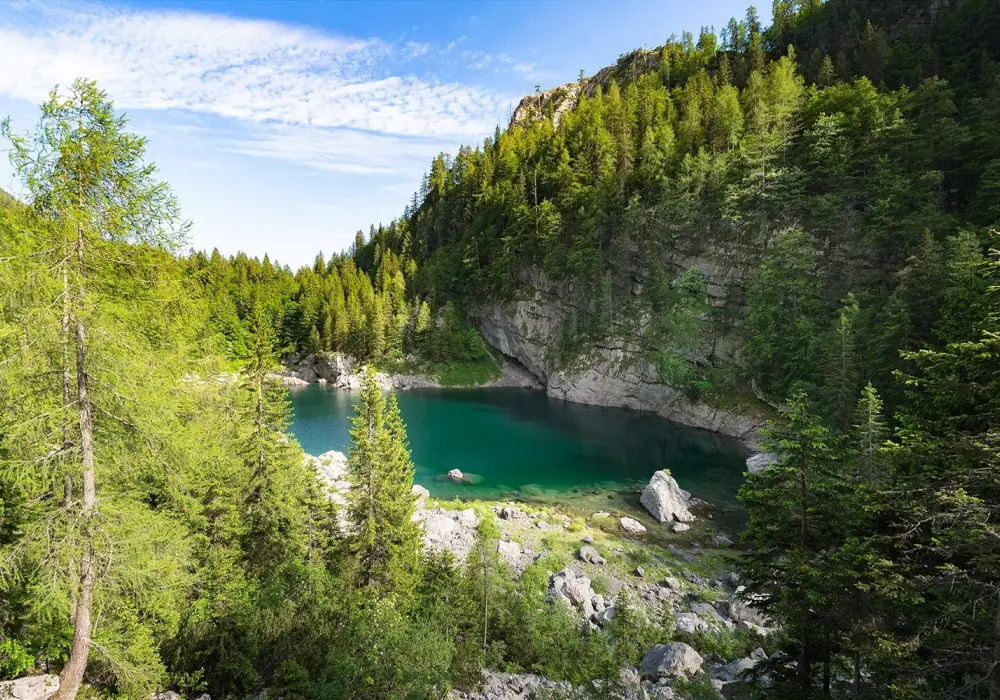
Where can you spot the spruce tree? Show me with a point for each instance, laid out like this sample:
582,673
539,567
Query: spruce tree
386,541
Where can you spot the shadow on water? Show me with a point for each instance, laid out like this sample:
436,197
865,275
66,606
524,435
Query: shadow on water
523,444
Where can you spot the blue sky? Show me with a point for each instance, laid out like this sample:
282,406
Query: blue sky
284,127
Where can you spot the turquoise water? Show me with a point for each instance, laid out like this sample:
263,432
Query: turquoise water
520,443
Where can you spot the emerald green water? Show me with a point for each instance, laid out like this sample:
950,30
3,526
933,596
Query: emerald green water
520,443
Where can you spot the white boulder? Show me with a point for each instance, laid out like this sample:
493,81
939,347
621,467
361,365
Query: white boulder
456,475
30,688
663,499
632,525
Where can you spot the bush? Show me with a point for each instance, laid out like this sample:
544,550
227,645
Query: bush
15,659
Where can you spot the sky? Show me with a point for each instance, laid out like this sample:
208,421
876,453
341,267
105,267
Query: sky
285,126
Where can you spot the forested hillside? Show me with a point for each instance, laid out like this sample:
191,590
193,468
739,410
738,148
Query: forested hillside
841,167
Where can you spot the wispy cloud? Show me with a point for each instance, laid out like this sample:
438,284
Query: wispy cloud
247,70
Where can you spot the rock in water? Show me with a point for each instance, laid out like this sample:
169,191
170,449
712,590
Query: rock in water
671,661
30,688
632,525
663,499
456,475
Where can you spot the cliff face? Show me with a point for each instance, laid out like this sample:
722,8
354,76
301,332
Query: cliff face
616,372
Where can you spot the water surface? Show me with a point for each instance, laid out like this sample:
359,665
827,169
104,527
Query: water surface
521,443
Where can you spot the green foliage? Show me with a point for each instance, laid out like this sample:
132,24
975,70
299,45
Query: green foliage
15,659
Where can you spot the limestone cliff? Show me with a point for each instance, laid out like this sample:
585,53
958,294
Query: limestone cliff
615,373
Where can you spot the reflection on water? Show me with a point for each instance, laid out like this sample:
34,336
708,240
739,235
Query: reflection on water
521,442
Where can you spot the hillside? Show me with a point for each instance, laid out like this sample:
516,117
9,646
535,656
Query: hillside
702,226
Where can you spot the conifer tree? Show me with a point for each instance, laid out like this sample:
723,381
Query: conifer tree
386,541
86,175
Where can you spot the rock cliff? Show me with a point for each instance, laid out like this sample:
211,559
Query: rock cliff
616,373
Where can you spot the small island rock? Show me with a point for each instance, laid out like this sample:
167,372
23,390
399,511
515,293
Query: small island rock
456,475
663,499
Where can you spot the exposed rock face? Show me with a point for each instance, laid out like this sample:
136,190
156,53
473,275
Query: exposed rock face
454,530
670,661
616,373
508,686
664,500
30,688
760,461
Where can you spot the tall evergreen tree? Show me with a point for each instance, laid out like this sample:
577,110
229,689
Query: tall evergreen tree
386,541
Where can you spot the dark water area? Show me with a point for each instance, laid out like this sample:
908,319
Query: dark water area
519,443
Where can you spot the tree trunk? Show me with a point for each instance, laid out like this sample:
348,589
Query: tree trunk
71,676
995,671
857,674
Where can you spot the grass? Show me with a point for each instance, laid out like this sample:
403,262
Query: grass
466,373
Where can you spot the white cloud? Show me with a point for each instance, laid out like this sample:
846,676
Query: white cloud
340,150
247,70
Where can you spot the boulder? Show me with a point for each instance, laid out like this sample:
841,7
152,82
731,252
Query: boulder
575,587
591,555
468,518
509,513
722,541
421,493
674,660
605,616
456,475
760,461
30,688
632,526
690,623
510,551
663,499
709,613
680,527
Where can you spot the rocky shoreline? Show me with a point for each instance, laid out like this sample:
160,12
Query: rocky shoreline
344,372
687,574
616,373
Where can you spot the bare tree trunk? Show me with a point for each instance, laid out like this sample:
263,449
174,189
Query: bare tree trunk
66,399
71,676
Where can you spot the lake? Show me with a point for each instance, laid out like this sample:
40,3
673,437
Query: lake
520,443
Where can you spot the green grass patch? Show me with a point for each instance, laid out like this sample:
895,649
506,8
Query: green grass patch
469,373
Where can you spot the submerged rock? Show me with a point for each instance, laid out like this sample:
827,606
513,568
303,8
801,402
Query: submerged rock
664,500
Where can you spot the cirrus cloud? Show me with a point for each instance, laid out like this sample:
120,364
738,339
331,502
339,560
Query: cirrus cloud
243,69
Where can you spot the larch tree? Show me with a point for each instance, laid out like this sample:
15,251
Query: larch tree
107,216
